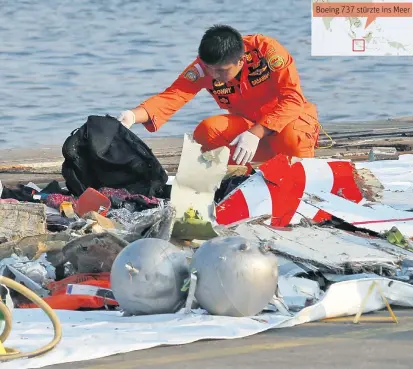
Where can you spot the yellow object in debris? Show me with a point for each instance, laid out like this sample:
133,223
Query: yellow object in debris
66,208
395,237
191,226
364,302
191,213
7,354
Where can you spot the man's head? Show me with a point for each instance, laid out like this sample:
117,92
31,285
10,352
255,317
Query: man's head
221,50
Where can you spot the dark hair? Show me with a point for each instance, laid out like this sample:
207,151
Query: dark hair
221,44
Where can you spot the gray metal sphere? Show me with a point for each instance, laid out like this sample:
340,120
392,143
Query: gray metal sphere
236,277
147,277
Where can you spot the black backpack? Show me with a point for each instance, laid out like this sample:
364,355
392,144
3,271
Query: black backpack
104,153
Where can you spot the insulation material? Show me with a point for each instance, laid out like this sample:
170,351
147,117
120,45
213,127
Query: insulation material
278,187
327,248
199,175
90,335
371,187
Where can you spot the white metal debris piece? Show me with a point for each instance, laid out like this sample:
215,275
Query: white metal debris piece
330,248
296,292
288,268
199,175
348,277
383,153
375,217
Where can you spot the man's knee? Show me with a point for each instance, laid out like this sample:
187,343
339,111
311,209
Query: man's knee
206,131
296,139
219,130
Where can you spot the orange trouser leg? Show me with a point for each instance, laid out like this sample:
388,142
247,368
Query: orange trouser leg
296,139
220,130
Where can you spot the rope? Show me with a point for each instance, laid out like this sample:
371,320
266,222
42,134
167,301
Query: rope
12,354
328,136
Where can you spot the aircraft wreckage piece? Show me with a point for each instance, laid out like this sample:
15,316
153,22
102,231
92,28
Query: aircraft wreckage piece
277,189
147,277
199,175
233,276
374,217
319,245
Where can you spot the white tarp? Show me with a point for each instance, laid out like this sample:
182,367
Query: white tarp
91,335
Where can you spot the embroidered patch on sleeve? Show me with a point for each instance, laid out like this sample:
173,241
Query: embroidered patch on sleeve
191,74
275,61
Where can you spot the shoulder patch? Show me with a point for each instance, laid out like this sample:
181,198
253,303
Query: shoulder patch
191,74
194,73
274,60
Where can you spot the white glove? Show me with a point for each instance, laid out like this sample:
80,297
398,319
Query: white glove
246,148
127,118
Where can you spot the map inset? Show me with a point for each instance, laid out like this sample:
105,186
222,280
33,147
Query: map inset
377,28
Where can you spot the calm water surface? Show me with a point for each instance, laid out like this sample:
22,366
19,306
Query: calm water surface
61,61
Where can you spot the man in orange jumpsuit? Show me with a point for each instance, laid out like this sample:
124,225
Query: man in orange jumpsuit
255,79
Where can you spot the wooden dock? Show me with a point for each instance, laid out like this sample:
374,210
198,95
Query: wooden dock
350,141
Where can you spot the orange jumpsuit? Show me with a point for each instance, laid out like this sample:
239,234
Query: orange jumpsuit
267,91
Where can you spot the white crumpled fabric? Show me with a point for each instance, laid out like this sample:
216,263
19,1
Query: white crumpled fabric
39,270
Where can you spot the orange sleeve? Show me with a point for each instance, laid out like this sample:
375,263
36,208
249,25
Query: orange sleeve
162,106
288,100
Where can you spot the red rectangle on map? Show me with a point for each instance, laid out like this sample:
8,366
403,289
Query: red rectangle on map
359,44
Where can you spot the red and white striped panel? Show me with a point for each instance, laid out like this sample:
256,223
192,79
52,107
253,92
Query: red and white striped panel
278,187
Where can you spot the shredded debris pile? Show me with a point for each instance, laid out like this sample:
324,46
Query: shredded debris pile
325,220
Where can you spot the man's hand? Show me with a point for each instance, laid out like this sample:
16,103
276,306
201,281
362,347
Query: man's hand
247,144
127,118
